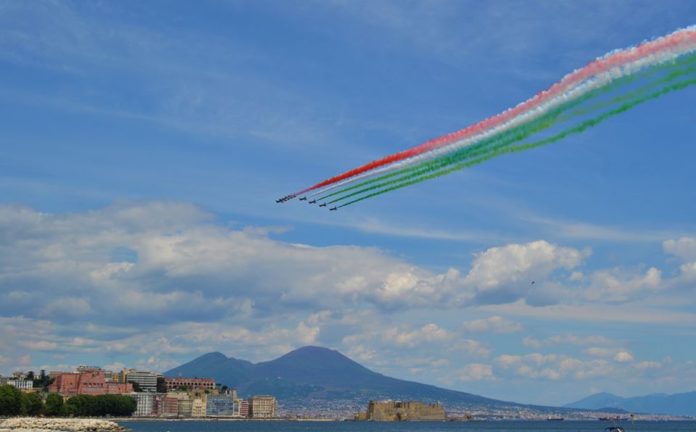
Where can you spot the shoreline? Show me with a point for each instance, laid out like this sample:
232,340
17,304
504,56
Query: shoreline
59,424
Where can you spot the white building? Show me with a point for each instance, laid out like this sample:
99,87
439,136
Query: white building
262,407
145,404
198,407
146,380
21,384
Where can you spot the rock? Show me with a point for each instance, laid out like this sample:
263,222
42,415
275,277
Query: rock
41,424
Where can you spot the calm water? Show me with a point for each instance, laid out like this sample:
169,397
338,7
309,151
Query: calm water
475,426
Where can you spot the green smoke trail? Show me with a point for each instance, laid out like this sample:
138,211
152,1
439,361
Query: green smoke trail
575,130
485,146
520,132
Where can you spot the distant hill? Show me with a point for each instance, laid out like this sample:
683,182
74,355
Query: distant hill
324,377
674,404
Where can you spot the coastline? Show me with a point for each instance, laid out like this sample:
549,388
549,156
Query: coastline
59,424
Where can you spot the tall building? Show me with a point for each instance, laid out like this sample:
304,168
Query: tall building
262,407
198,407
179,383
146,380
243,407
145,404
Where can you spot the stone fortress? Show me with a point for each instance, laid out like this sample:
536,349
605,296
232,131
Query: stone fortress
402,411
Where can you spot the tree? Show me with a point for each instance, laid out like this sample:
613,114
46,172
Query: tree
42,381
99,406
32,404
54,405
10,401
115,405
81,406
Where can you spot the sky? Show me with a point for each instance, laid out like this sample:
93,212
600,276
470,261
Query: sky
143,145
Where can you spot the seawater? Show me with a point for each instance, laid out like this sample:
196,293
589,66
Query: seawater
472,426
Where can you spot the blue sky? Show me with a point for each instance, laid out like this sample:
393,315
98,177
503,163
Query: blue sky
143,145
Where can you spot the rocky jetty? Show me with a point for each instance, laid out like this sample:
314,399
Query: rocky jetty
35,424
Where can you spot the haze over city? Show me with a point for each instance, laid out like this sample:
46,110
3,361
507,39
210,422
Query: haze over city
144,144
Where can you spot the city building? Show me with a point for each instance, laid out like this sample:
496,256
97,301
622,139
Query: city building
221,406
179,383
198,407
145,404
262,407
22,384
146,381
243,405
87,381
185,407
166,406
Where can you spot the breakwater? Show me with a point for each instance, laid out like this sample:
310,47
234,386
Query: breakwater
35,424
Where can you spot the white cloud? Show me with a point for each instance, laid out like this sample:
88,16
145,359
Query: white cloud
471,347
600,351
595,312
505,273
616,285
683,248
623,357
428,333
475,372
566,339
494,323
553,366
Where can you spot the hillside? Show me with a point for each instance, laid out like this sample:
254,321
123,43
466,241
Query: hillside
325,378
674,404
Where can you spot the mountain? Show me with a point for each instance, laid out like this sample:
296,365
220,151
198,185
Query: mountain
326,378
674,404
214,365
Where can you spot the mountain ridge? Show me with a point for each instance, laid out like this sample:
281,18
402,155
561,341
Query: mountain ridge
672,404
324,377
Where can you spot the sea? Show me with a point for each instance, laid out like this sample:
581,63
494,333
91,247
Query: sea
349,426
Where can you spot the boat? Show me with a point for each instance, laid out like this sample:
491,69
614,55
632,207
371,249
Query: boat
614,429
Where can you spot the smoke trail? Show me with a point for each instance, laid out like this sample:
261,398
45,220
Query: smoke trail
618,63
621,82
516,135
575,130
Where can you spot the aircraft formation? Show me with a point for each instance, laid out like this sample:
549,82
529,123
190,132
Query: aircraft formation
605,88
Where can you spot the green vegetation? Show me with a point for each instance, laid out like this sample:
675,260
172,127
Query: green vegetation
54,405
97,406
32,404
13,402
10,401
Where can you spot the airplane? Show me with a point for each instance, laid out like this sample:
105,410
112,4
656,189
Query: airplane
279,200
322,205
303,198
312,202
333,208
